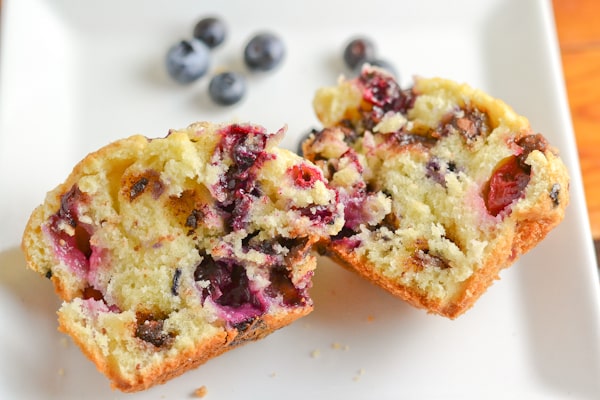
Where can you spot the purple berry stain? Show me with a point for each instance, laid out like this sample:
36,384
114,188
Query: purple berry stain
230,289
237,189
73,249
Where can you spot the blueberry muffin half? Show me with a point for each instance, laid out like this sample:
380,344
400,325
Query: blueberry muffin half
442,185
170,251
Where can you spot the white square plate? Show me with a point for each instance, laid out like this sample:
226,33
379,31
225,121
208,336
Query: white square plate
76,75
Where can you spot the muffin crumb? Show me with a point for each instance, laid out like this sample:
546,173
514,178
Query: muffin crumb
201,391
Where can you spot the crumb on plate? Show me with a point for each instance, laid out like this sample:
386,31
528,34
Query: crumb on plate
200,392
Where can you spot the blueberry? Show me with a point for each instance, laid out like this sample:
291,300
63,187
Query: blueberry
188,60
357,51
381,63
264,52
211,31
227,88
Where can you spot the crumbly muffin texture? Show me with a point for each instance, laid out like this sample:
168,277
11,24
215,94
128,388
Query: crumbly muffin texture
442,185
170,251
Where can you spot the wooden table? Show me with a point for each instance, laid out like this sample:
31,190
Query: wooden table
578,28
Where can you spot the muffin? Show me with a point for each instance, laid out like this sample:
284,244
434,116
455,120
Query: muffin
169,251
442,185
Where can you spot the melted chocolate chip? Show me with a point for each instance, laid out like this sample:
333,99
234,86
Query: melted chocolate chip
530,143
68,210
250,329
404,138
150,179
138,188
243,326
92,293
175,284
151,330
82,241
469,123
554,194
192,219
344,233
281,284
423,258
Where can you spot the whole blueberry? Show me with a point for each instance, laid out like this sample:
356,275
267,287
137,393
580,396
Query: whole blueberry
227,88
357,51
187,60
264,52
210,30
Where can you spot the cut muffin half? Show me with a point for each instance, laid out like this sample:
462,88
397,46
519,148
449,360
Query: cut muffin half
170,251
442,185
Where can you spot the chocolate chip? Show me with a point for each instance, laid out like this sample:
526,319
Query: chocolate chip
281,284
469,123
530,143
193,218
248,330
243,326
48,274
151,330
554,193
68,201
407,138
424,258
82,241
175,284
138,188
92,293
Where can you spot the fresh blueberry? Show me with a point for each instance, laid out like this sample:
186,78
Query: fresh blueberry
188,60
264,52
227,88
357,51
211,31
381,63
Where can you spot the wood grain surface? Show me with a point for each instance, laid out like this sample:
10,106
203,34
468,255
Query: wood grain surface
578,28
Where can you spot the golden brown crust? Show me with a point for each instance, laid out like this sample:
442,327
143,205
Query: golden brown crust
528,234
220,343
